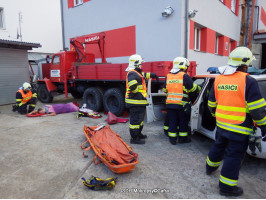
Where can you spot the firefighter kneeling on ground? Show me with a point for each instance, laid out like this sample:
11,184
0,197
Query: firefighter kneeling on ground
25,97
135,98
236,101
177,86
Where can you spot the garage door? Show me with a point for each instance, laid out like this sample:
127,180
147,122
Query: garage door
13,73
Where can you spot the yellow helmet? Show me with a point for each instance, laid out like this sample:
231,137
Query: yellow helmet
240,56
135,61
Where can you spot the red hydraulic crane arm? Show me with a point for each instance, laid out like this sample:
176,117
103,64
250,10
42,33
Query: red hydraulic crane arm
79,43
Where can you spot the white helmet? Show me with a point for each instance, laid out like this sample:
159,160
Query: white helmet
240,56
135,61
180,63
26,86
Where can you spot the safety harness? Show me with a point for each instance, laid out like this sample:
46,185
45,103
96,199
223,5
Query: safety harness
95,183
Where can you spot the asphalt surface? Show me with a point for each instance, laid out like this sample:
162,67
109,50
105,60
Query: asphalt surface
41,158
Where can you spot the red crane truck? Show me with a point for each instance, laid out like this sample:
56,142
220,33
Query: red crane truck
102,85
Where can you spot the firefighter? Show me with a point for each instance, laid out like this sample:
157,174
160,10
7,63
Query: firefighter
135,97
25,97
236,101
177,86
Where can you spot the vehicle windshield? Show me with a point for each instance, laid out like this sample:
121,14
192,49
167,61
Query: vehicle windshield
262,86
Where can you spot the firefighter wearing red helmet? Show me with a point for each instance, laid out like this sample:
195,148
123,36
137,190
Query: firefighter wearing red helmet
135,98
235,100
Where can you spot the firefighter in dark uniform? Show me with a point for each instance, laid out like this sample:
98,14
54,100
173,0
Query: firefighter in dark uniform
135,97
177,86
235,100
25,97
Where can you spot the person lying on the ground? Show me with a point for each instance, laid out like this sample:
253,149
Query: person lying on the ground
52,110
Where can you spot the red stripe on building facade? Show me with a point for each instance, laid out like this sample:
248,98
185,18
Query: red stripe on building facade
208,37
263,16
191,35
227,3
118,43
70,3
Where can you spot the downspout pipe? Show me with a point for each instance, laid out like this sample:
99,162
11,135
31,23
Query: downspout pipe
251,25
63,23
186,29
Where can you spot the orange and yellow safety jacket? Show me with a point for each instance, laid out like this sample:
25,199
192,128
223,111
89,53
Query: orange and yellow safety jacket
178,86
136,91
22,97
235,100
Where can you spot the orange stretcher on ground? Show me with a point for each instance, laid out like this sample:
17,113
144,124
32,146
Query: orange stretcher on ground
110,149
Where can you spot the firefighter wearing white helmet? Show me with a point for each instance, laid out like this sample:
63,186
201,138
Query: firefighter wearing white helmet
178,85
236,101
25,97
135,97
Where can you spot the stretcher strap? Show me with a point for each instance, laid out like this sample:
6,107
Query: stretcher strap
87,149
94,160
81,146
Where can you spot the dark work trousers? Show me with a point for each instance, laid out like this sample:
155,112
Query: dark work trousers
230,147
166,124
23,108
137,114
177,117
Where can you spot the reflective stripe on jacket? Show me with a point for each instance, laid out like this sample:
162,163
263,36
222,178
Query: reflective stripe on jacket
231,110
132,96
25,97
174,86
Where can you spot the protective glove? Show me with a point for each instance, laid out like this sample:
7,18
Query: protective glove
254,142
187,109
153,75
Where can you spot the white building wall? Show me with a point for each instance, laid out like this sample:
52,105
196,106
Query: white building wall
157,38
261,25
216,16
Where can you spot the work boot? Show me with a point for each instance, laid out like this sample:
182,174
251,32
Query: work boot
184,140
136,141
14,108
173,142
236,191
166,133
141,136
208,172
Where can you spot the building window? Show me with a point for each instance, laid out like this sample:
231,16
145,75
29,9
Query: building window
216,44
56,60
233,6
197,39
78,2
2,18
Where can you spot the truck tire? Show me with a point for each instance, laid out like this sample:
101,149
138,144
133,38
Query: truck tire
114,101
43,94
93,99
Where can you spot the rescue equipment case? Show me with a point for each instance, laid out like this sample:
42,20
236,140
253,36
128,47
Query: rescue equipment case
110,148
